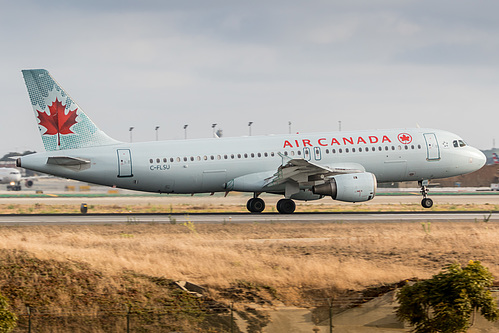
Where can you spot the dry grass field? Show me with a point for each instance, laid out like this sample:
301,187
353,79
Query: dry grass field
295,259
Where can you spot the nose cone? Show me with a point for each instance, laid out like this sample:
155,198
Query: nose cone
477,159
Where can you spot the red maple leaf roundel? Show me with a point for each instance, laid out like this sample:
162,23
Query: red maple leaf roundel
57,122
405,138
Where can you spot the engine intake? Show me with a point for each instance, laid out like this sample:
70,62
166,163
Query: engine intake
352,187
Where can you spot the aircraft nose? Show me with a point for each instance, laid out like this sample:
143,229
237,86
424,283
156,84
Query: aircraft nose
477,158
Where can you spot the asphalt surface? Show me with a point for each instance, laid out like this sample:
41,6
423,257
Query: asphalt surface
19,219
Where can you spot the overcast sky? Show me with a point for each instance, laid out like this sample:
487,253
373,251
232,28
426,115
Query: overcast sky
369,64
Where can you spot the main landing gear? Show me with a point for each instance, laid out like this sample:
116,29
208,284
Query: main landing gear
426,202
257,205
286,206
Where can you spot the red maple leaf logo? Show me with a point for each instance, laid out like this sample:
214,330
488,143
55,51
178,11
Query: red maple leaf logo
57,122
405,138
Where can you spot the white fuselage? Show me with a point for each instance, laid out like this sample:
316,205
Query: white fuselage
9,176
207,165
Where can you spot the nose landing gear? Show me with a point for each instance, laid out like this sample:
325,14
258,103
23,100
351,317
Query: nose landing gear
426,202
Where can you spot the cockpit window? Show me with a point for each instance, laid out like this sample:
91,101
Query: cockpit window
459,143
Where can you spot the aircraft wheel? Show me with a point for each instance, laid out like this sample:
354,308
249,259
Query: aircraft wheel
426,203
255,205
286,206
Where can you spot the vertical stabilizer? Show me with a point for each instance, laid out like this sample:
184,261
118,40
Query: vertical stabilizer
62,123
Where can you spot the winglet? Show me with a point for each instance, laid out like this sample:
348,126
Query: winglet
62,123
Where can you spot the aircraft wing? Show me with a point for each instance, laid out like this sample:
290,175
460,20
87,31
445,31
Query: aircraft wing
302,171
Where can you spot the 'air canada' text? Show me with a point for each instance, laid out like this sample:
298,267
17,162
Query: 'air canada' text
372,139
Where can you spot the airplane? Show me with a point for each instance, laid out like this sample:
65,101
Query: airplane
495,159
345,166
12,177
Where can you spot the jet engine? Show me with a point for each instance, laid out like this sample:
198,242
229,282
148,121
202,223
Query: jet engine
352,187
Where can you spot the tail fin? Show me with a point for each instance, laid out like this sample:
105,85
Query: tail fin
62,123
495,158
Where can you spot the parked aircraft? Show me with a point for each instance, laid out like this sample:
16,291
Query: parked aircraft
343,165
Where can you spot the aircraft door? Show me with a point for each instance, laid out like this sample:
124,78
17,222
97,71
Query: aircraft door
124,163
317,153
306,153
432,148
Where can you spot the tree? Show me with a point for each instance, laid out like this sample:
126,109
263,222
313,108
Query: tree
446,302
8,320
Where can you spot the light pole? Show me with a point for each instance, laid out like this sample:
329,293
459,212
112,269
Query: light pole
131,129
213,127
339,125
289,124
249,127
185,131
156,129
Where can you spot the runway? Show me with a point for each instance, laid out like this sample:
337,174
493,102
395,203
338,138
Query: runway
221,218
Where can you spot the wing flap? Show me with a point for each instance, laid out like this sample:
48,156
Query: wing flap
303,171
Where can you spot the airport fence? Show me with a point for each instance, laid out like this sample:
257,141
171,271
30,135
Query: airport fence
234,318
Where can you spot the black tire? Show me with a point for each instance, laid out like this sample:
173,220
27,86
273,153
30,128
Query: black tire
286,206
426,203
255,205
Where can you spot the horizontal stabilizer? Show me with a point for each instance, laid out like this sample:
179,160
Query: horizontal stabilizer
74,163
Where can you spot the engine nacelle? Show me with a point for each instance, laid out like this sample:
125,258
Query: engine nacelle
28,183
352,187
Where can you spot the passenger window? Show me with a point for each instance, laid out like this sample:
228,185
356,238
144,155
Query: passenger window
212,157
252,155
292,153
373,149
360,149
238,155
353,150
265,154
150,160
219,157
340,150
178,159
192,158
245,155
158,160
171,159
